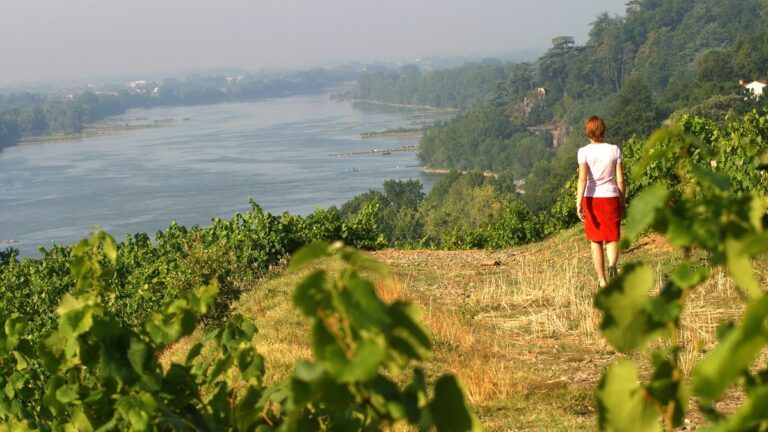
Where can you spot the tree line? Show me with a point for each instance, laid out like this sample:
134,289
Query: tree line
26,114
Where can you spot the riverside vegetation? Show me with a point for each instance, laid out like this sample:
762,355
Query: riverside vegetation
68,314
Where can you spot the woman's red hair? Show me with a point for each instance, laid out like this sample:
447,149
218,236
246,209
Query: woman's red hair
594,129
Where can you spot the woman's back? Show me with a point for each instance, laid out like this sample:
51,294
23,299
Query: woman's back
601,160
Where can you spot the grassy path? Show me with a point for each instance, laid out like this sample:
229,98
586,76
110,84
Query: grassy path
522,335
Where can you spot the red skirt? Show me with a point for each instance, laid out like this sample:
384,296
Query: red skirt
602,218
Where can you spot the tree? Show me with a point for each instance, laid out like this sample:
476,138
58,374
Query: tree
715,66
403,194
32,121
410,70
553,64
635,112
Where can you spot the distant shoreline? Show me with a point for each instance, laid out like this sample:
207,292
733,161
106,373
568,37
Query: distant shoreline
396,105
396,133
446,171
105,127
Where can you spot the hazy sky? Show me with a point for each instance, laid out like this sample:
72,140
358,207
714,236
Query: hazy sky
53,39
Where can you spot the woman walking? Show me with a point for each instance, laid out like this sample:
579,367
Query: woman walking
600,196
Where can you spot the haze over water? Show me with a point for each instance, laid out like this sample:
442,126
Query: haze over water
199,162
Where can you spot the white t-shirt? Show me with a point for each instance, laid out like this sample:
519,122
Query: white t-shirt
601,162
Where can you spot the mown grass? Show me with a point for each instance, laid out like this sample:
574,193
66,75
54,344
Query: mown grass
523,336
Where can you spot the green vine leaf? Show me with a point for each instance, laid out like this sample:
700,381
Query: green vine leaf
735,352
627,322
642,212
450,409
622,403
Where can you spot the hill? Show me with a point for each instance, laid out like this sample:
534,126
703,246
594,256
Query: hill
523,335
660,60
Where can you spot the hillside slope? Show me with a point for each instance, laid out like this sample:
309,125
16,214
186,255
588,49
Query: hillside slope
522,335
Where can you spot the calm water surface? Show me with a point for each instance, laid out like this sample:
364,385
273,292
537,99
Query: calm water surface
199,162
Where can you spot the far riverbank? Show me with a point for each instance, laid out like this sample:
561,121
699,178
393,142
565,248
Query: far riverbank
406,106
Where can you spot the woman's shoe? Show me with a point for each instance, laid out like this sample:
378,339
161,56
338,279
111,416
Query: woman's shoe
612,272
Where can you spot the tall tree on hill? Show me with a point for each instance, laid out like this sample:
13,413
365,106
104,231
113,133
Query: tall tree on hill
635,112
554,63
612,52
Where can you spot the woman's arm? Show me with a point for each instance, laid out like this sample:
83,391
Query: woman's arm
620,185
580,187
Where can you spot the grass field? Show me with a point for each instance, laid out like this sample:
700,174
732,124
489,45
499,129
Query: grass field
522,335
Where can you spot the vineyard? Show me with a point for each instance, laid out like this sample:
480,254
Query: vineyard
85,324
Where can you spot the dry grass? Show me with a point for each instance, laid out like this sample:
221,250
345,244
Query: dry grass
523,336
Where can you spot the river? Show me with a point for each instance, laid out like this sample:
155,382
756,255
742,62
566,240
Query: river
190,164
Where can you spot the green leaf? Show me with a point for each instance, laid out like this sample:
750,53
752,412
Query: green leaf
312,294
408,336
627,323
308,371
666,387
203,297
15,326
309,253
737,261
250,363
50,400
108,246
361,261
193,353
168,328
245,415
221,366
76,315
138,353
21,361
642,211
66,393
364,307
137,410
679,231
246,326
710,178
685,276
621,401
363,366
733,355
661,309
757,209
450,410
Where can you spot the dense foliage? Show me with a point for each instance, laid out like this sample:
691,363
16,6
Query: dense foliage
150,273
461,88
95,371
708,190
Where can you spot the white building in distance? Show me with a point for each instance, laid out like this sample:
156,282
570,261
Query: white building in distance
756,87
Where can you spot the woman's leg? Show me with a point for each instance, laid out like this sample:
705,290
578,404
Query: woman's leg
599,262
612,250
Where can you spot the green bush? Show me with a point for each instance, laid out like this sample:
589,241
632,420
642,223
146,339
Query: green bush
95,371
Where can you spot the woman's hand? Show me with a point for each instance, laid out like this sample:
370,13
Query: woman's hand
580,212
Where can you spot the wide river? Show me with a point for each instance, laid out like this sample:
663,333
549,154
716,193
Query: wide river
190,164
